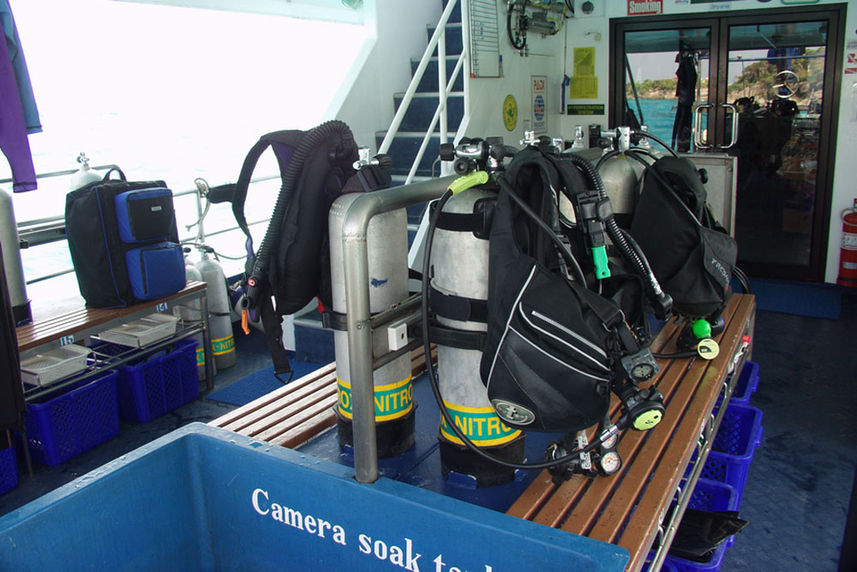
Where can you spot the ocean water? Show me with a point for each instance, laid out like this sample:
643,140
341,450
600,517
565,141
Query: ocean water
658,115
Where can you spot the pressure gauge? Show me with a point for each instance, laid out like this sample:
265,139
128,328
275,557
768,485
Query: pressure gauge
610,462
610,442
643,371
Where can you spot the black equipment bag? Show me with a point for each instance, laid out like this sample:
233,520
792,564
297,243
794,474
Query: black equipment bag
292,264
691,254
123,241
551,344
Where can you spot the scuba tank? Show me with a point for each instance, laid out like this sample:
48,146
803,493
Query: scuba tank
192,313
460,281
12,264
387,246
219,311
84,175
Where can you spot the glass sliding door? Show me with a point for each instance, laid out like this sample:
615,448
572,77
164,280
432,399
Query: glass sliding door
776,74
759,86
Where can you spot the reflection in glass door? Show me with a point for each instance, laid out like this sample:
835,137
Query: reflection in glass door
667,78
776,74
760,86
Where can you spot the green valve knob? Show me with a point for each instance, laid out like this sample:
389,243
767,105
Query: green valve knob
701,329
599,258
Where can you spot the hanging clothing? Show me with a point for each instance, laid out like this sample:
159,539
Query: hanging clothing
13,133
19,65
685,93
13,126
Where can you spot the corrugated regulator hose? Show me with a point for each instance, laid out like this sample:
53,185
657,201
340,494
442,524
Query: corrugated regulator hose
308,144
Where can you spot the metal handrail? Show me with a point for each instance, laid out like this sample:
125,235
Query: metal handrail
438,40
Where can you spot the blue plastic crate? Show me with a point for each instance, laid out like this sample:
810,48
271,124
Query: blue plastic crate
734,445
8,470
747,384
714,497
160,383
65,426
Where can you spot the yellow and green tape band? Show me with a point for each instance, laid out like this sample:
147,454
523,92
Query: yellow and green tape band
200,357
479,424
392,401
222,346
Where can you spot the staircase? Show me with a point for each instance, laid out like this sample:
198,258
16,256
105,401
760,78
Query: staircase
403,145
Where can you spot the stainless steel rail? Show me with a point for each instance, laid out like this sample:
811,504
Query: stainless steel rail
354,233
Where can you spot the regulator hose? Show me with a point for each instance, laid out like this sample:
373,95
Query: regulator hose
293,172
618,237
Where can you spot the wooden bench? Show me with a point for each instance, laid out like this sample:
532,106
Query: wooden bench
628,508
295,413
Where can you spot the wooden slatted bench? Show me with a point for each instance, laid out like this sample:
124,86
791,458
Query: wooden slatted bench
84,320
295,413
629,507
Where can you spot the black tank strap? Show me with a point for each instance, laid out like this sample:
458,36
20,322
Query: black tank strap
459,307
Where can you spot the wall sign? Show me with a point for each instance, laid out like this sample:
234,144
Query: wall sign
585,109
539,93
645,7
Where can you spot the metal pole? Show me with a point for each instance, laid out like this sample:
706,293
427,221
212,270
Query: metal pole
356,271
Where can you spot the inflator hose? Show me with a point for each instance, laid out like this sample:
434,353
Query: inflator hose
616,234
290,179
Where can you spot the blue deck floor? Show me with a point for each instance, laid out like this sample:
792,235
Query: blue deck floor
798,491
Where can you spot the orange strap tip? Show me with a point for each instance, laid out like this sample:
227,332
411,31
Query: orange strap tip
245,322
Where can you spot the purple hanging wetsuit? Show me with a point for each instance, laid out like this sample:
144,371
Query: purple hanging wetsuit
13,130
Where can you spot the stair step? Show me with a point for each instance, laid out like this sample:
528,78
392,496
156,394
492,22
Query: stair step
429,83
422,109
456,12
454,38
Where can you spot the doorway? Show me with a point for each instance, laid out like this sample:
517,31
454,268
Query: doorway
761,86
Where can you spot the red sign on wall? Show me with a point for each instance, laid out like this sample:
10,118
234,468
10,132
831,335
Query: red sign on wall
645,7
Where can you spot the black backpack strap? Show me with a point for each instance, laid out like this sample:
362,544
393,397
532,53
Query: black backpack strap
272,324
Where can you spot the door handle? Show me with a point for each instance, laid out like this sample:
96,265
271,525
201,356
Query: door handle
698,126
734,139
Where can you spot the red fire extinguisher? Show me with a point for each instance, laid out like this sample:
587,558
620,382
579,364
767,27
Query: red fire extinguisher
848,254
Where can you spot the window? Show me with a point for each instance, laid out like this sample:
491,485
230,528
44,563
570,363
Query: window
171,93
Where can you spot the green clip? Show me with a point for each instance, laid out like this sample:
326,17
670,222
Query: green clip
599,258
467,181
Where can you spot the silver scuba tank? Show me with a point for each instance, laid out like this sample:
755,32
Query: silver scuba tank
387,247
219,311
460,270
191,312
12,264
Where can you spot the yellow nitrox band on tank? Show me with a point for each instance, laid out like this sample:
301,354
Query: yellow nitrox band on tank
479,424
222,346
392,401
200,357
